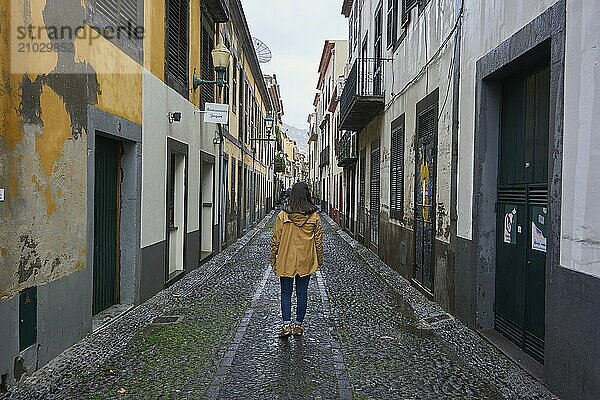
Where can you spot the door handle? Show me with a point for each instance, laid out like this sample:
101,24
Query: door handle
528,262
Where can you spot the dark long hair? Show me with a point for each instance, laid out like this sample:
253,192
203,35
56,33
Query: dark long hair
300,200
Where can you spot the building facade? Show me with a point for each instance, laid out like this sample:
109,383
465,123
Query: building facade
111,178
468,155
326,119
247,155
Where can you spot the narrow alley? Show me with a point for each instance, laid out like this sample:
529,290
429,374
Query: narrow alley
212,335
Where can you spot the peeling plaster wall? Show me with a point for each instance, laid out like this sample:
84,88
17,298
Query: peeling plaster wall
43,142
44,99
43,145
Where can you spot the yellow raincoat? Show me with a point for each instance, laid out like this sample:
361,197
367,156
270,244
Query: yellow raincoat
297,245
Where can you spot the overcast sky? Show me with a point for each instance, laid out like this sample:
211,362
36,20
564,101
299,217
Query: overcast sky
295,31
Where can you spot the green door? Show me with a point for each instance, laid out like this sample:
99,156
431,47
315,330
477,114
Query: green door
106,218
522,213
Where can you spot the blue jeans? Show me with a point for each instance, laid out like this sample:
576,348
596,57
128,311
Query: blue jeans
287,285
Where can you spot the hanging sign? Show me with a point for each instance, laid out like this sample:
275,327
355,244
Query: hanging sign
510,220
216,113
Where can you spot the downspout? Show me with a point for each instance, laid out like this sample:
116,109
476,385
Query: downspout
222,179
458,4
221,189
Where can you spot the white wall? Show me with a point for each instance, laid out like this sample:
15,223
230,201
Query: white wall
486,24
158,101
580,235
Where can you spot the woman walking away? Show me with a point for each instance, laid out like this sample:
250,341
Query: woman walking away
296,253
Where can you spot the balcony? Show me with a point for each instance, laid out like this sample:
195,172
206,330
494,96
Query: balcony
324,157
346,151
363,96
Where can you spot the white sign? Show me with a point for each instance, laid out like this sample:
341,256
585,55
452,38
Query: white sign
216,113
510,218
1,194
538,241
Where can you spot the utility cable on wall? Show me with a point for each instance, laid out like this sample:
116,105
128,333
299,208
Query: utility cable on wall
429,62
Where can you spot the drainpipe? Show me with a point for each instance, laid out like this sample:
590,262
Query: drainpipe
221,189
458,9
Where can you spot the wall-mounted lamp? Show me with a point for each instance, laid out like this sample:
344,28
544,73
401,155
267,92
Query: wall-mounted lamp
269,122
217,140
220,56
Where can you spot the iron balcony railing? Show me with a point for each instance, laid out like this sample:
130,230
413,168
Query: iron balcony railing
346,151
324,157
363,95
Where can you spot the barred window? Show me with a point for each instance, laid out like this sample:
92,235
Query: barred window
397,169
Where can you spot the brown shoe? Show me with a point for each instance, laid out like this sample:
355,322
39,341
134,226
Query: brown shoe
298,331
285,331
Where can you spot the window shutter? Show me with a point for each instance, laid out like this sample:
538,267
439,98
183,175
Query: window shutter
128,11
207,68
361,196
374,191
397,169
177,46
118,12
407,6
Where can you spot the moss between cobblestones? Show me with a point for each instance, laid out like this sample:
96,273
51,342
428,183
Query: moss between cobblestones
175,360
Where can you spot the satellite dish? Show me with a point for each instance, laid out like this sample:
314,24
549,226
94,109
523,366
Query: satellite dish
262,51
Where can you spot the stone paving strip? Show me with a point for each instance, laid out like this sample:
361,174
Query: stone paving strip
368,335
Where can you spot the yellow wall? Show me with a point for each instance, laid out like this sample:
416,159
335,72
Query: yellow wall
43,143
154,42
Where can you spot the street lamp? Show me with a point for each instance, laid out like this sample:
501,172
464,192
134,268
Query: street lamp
269,122
221,57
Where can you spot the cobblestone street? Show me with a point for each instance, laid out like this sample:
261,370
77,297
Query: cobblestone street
369,335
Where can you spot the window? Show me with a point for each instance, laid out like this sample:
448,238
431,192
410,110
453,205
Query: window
206,67
397,169
115,14
378,33
407,5
233,186
118,12
351,32
172,193
392,22
241,108
234,85
176,68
